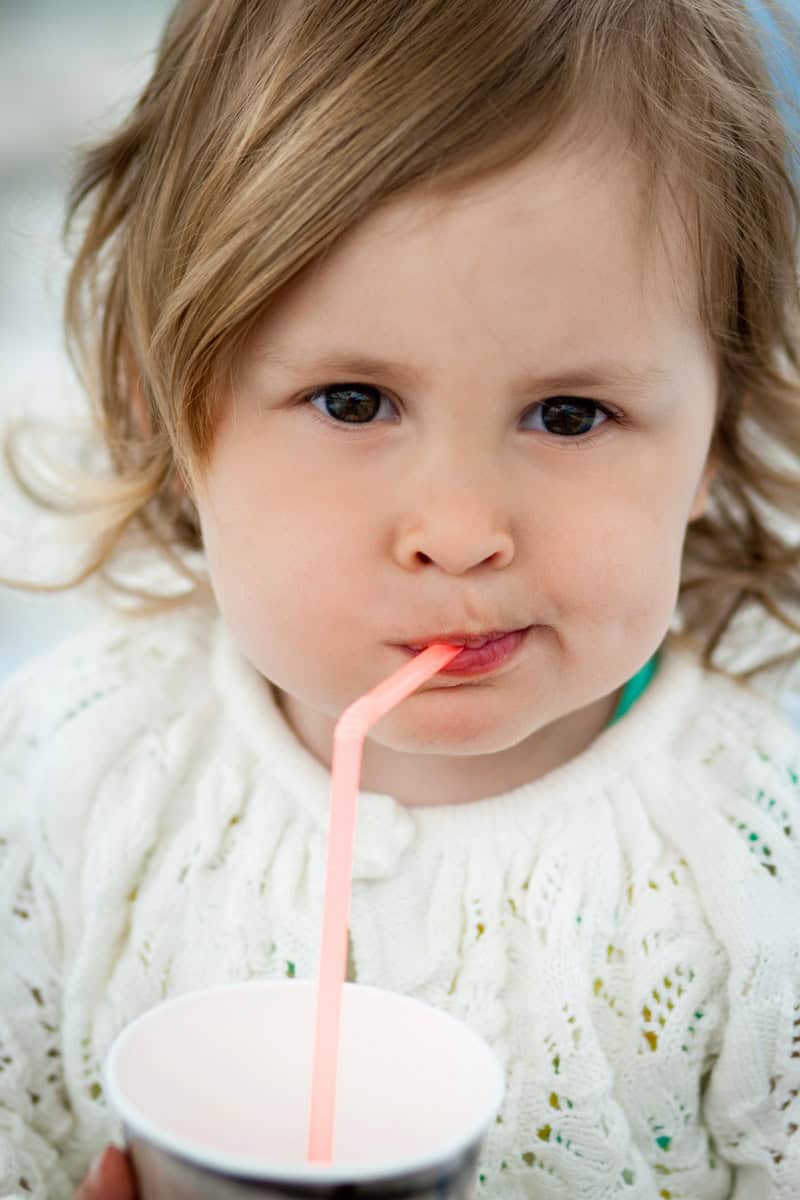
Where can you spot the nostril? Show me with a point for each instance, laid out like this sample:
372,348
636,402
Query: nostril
423,557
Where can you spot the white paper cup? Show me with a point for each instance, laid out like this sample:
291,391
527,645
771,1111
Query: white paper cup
213,1091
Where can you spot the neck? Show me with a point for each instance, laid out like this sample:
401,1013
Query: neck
425,780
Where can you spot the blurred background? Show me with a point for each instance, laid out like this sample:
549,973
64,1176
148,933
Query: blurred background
68,73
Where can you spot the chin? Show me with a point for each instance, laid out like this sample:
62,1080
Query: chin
456,734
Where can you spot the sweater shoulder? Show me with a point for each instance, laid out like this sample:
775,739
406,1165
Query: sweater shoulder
731,717
68,714
737,753
120,652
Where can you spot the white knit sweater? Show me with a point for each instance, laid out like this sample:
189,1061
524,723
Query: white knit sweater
625,932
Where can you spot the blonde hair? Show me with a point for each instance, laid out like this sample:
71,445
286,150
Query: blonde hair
271,127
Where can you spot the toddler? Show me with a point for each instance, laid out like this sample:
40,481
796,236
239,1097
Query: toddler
449,320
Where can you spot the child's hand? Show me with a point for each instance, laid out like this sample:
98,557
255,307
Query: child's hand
111,1178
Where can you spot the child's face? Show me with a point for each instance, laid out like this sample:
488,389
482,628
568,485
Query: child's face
453,498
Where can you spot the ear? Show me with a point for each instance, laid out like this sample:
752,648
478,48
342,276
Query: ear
140,410
704,485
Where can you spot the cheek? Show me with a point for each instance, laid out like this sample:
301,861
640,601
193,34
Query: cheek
283,549
621,565
270,515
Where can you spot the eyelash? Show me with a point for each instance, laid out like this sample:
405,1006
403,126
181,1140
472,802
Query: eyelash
348,428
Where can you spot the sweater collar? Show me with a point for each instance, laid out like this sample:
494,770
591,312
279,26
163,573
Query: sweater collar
386,827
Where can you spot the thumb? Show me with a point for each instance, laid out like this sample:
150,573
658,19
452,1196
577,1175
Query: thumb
110,1178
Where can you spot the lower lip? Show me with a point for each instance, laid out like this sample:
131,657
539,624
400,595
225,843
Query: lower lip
488,658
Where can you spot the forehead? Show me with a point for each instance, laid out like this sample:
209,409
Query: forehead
556,248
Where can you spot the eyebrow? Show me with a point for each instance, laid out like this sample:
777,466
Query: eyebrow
344,367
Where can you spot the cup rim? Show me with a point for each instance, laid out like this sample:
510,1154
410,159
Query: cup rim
136,1123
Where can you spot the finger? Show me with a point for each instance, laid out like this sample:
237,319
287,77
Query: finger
111,1178
119,1175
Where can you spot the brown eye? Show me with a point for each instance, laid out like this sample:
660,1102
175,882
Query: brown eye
355,404
568,416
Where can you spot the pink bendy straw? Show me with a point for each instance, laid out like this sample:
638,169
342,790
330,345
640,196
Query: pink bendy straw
348,744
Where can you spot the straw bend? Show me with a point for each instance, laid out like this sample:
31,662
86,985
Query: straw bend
368,709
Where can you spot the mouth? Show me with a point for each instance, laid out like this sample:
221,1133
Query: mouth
480,654
467,640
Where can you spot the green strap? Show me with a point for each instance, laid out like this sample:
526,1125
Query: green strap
634,688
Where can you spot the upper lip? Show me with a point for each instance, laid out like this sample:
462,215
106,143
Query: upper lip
470,640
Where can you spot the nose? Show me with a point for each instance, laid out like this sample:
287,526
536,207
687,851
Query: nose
456,520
